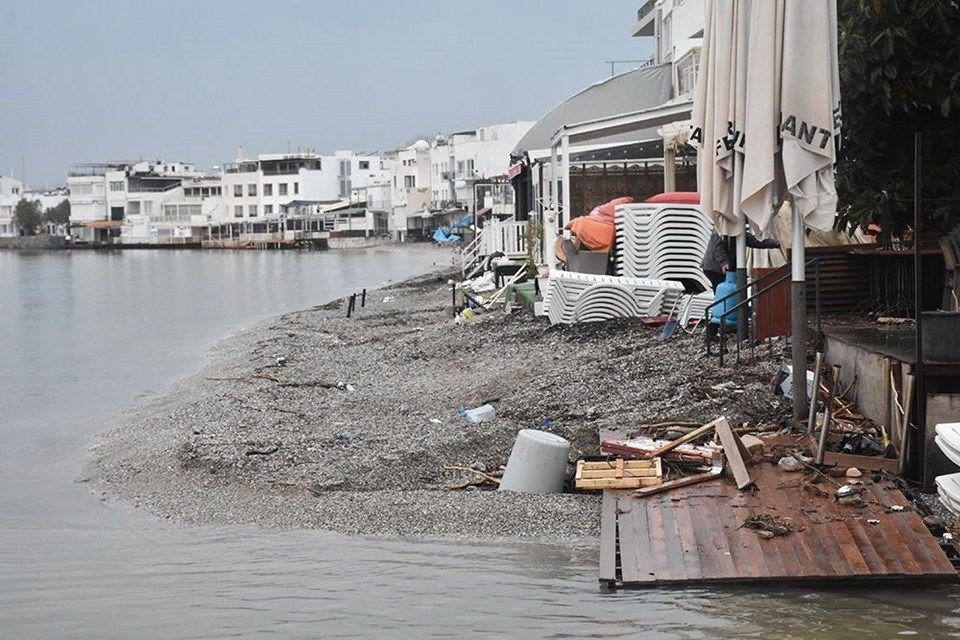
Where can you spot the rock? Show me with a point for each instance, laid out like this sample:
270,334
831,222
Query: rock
754,445
479,466
789,464
853,472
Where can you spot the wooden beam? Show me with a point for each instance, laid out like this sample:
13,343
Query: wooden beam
680,482
735,453
696,433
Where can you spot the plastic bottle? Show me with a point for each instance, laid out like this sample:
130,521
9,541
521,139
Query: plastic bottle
480,414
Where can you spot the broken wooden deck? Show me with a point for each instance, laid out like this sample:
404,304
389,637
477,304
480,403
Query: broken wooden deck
693,536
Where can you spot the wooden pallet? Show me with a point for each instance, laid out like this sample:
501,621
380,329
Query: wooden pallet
618,474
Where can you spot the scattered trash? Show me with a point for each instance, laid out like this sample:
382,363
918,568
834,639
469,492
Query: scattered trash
482,413
436,421
897,508
281,361
387,299
872,521
350,387
618,474
849,490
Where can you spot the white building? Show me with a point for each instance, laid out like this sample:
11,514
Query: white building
11,191
410,188
265,187
101,195
677,27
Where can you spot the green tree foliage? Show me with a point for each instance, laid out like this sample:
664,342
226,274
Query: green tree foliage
899,73
26,216
59,214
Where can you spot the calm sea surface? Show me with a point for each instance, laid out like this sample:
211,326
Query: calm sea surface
83,335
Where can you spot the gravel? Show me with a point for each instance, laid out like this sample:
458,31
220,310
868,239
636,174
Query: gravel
315,420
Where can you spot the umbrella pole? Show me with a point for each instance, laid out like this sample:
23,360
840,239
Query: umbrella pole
550,226
741,285
799,317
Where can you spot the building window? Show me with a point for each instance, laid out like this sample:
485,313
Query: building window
283,188
296,188
252,211
364,164
238,211
267,209
268,189
238,191
251,189
147,207
116,185
469,168
133,208
410,182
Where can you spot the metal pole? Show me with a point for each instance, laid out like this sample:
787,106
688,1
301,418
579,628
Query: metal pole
827,415
550,220
363,298
742,331
799,317
918,303
908,387
567,214
817,368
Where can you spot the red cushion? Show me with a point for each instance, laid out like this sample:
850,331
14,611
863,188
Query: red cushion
676,197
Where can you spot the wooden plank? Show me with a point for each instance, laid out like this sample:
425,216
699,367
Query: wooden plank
628,540
613,483
608,537
588,474
852,554
876,563
735,453
679,482
712,544
673,543
658,541
693,435
646,561
690,539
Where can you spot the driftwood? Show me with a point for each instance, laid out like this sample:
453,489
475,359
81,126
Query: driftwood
481,474
252,376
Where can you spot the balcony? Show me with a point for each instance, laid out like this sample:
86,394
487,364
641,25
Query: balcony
646,19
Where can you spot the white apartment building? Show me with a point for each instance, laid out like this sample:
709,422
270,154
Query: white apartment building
677,27
265,187
11,190
102,194
410,187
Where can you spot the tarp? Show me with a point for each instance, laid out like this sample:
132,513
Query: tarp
623,93
441,237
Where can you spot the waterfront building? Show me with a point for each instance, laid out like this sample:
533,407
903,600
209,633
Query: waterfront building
677,29
11,190
100,195
411,185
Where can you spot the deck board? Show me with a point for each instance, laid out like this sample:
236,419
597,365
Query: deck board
693,535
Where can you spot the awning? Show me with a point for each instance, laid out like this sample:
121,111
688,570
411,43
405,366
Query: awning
624,93
103,224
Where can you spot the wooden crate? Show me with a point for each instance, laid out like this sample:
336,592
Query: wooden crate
618,474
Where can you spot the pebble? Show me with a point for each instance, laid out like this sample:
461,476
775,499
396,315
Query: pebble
853,472
375,466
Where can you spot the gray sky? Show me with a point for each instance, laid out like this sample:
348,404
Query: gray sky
85,81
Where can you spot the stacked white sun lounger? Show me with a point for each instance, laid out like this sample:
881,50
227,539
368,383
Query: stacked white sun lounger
661,241
948,486
582,297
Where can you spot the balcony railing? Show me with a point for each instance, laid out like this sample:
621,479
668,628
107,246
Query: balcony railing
645,10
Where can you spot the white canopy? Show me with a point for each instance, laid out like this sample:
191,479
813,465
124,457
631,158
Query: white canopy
624,93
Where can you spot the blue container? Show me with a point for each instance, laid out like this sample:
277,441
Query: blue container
728,286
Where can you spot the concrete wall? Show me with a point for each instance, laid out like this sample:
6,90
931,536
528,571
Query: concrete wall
357,242
867,367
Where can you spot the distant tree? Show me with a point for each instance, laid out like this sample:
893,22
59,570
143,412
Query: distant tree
27,217
59,214
899,73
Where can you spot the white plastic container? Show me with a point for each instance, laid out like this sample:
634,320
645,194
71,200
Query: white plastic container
537,463
483,413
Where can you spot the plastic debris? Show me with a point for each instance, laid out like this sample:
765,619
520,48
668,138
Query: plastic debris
482,413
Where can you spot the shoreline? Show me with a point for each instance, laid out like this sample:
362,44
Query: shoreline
351,435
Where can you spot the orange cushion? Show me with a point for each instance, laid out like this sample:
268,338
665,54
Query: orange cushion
594,234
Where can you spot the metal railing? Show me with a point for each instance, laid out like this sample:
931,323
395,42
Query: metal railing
785,274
